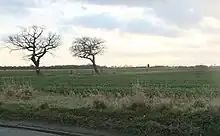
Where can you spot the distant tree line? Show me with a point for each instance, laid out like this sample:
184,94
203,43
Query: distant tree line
51,67
100,67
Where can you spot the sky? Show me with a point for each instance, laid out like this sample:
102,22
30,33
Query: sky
137,32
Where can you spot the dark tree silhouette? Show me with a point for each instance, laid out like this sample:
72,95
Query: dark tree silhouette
88,48
33,40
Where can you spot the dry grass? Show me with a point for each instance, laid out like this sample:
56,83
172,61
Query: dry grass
14,93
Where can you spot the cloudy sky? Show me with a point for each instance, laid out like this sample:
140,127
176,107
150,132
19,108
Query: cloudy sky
138,32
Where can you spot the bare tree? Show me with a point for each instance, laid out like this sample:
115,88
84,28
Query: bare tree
31,39
88,48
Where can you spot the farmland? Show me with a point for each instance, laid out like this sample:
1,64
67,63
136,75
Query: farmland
118,80
133,101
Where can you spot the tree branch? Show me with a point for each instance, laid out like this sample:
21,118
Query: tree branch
31,39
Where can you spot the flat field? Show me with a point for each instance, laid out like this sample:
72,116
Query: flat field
137,102
118,80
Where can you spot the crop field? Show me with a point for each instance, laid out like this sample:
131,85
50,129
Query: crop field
117,80
166,102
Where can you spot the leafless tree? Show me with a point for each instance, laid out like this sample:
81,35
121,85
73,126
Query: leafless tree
33,40
88,48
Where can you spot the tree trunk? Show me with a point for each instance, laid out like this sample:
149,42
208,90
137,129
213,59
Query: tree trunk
37,65
94,65
37,70
95,68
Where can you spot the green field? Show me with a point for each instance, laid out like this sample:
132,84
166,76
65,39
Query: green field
154,102
117,80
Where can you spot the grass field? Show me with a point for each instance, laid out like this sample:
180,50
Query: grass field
162,102
120,81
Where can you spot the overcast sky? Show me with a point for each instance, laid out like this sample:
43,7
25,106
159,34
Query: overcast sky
138,32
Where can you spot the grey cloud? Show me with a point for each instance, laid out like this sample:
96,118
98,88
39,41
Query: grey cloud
208,8
16,7
209,30
180,13
17,3
144,26
131,3
183,13
106,21
103,20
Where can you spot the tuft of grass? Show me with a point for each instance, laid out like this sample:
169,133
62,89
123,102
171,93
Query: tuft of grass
99,104
137,87
199,103
137,106
44,106
99,100
13,90
138,100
